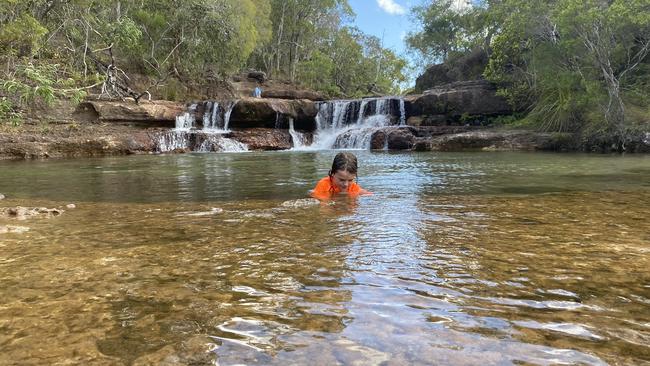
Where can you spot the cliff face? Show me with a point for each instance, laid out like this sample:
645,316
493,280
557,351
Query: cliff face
464,68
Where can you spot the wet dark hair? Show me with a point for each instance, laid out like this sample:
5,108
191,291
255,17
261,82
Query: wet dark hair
344,161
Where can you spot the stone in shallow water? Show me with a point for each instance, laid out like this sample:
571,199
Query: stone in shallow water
2,196
303,202
4,229
23,213
213,211
70,205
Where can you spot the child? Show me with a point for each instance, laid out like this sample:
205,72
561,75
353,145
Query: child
340,178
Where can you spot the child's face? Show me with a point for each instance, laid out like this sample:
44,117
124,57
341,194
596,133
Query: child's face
343,179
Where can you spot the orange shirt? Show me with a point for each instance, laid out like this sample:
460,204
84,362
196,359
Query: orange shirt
325,188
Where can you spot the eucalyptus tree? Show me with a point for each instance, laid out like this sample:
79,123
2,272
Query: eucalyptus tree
573,62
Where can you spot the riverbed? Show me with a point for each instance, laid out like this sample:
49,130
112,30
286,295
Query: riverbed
457,258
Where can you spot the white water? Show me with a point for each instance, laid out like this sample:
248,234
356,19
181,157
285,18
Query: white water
187,136
340,124
337,129
226,117
298,138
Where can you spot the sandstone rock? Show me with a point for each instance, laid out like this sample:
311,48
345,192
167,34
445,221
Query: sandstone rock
70,205
464,68
400,139
293,94
266,113
263,138
378,140
456,101
154,113
494,140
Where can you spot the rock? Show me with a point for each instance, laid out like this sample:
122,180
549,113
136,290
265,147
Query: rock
4,229
302,202
378,140
458,103
263,138
293,94
23,213
464,68
259,76
212,211
400,139
266,113
495,140
151,113
2,196
19,213
71,205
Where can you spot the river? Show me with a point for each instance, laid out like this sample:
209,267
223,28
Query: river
457,258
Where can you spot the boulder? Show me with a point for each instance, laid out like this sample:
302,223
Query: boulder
259,76
272,113
378,140
400,139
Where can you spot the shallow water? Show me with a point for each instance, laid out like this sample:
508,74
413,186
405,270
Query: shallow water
458,258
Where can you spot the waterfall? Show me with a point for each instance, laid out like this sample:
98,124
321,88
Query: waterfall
349,124
226,118
298,138
209,137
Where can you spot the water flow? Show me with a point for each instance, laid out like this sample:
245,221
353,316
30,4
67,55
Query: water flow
226,118
187,136
299,140
349,124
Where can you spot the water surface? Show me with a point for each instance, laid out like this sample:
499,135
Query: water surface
458,258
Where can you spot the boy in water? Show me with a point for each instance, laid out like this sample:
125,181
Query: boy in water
340,178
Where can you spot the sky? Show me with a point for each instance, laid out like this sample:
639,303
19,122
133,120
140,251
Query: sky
389,20
385,19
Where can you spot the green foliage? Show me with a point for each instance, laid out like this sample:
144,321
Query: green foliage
22,35
445,30
301,40
8,113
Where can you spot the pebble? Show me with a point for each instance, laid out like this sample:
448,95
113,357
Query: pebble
70,205
2,196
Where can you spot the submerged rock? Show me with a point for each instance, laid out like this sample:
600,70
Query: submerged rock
4,229
23,213
212,211
70,205
2,196
302,202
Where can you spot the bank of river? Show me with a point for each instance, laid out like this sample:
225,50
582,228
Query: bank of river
458,258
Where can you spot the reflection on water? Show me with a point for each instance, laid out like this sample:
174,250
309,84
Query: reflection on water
456,259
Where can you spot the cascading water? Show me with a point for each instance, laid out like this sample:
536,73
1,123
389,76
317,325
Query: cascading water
210,137
298,138
349,124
